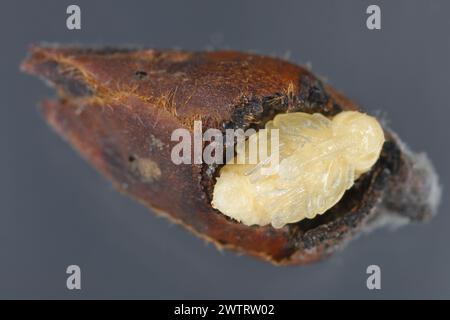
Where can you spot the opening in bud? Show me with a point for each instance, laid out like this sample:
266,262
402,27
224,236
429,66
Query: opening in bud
318,160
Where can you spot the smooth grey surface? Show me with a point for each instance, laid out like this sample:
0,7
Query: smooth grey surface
55,210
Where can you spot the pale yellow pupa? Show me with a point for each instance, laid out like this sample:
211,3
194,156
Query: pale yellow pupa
319,159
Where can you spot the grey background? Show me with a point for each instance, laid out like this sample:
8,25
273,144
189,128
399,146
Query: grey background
55,210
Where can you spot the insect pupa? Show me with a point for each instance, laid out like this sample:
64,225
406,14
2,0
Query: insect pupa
319,159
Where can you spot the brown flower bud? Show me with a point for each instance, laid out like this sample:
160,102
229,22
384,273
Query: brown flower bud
118,108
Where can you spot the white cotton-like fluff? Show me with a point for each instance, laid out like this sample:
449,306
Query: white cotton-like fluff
319,159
